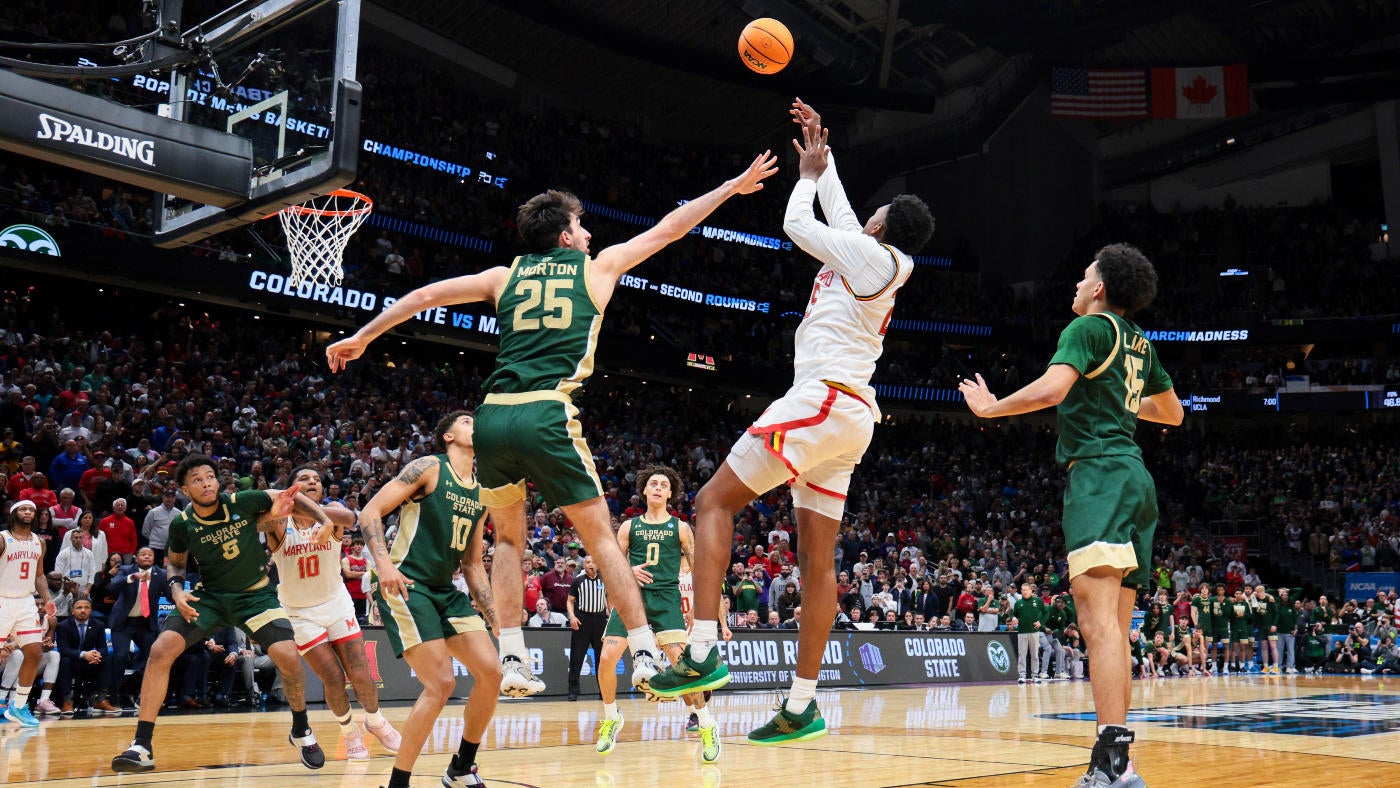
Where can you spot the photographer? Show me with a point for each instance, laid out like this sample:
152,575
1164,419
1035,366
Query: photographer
1314,651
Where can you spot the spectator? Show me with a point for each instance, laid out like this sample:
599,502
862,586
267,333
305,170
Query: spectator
77,564
119,529
67,469
544,617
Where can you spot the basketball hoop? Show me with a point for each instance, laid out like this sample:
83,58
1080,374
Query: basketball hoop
317,232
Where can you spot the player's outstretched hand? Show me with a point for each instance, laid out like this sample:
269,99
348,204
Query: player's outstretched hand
804,116
285,502
750,180
811,152
979,397
345,351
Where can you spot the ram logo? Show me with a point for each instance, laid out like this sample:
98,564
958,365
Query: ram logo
28,238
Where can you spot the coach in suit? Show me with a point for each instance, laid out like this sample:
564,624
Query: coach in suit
82,648
139,588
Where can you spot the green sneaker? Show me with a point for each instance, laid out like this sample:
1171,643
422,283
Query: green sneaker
687,676
788,727
709,743
607,734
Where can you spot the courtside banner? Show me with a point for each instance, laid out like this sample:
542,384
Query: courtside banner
760,660
1362,586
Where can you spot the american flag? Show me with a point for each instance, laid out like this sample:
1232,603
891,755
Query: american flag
1098,92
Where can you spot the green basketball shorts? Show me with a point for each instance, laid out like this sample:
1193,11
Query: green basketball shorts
1110,517
537,436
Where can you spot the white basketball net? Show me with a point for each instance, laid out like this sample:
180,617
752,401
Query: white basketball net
317,232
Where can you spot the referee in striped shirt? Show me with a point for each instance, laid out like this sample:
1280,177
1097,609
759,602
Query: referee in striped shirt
588,616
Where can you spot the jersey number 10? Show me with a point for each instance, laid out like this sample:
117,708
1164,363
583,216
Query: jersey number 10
461,529
308,566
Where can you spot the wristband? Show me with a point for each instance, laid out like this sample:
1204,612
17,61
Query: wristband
175,582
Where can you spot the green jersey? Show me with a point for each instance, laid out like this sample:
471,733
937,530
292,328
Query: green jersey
745,595
1056,619
549,325
1265,614
1220,612
1241,614
225,545
1287,619
658,545
1201,604
1029,611
1119,367
434,531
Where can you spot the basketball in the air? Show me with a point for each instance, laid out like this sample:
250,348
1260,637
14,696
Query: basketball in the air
765,46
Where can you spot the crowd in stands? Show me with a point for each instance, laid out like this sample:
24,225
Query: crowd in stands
947,519
622,170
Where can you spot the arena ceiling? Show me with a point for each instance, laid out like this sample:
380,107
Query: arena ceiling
954,61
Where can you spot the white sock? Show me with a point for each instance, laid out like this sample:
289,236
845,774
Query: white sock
346,723
513,644
703,636
610,711
44,695
802,693
703,715
642,639
375,719
21,697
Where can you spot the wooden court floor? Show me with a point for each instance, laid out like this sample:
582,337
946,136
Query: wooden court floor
1236,731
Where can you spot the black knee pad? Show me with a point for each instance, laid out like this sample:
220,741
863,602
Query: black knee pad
274,632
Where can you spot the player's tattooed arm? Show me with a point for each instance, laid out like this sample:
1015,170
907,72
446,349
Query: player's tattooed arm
417,478
687,547
478,581
413,473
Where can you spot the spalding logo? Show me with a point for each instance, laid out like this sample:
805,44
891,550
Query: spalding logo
28,238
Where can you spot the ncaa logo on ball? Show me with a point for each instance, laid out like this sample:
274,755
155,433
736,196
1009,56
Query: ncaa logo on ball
28,238
1001,660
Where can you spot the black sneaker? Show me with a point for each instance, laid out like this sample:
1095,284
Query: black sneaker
452,778
135,758
312,756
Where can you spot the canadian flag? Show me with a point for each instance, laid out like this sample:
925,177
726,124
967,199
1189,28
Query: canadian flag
1209,92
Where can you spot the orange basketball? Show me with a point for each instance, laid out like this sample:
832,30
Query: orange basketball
765,46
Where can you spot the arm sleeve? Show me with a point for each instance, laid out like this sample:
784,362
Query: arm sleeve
1084,343
831,195
866,265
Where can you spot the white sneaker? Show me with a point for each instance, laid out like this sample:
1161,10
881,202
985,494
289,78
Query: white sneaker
46,706
644,666
1042,675
355,749
517,680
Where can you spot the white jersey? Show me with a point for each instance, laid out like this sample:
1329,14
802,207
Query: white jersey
308,574
842,333
687,584
21,563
